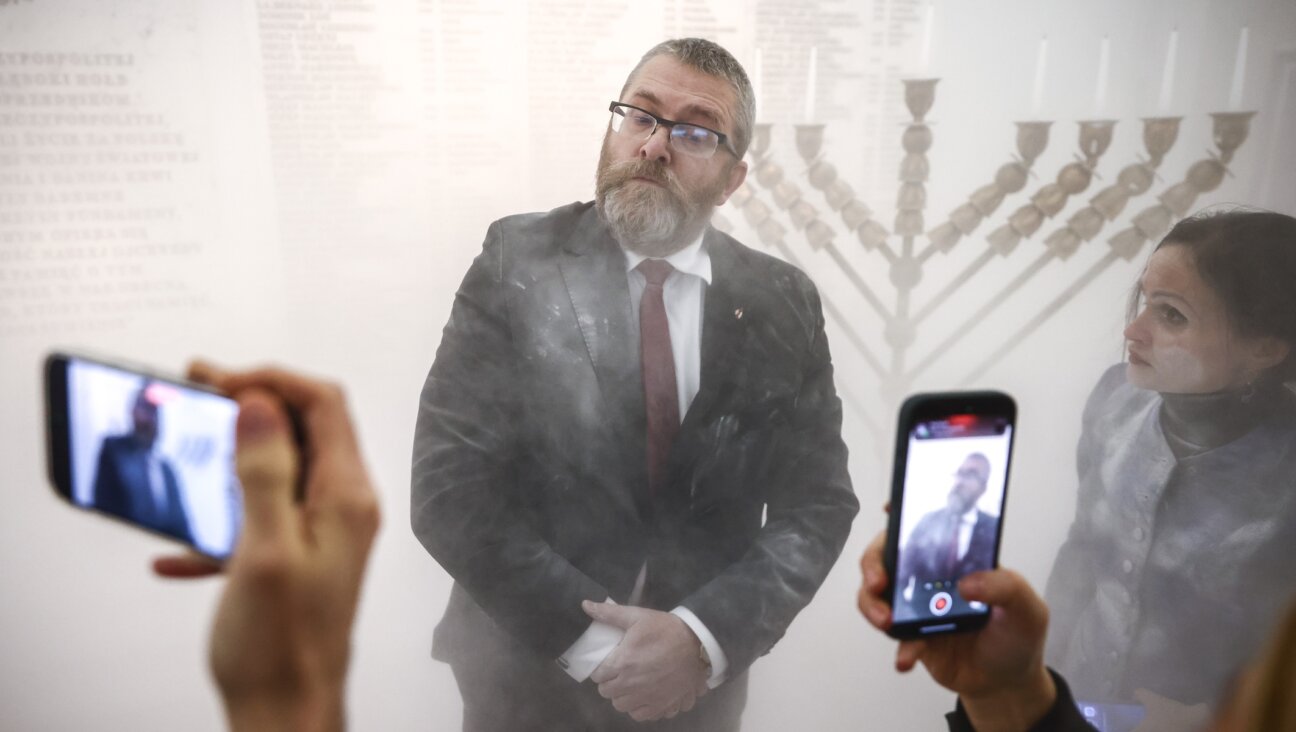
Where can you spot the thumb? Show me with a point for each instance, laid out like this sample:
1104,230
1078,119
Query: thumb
267,464
1008,590
996,587
618,616
908,654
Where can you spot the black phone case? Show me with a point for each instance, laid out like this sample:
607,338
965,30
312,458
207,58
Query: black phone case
927,406
57,427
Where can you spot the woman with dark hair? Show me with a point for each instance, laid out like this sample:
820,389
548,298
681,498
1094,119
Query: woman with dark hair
1183,550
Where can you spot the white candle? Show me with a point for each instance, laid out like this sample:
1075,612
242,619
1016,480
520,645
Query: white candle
1167,76
810,85
929,22
1239,72
757,82
1037,95
1104,63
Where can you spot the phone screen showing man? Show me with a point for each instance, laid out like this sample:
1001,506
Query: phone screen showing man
155,453
955,473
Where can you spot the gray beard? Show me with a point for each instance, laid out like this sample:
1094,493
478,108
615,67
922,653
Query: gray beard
649,221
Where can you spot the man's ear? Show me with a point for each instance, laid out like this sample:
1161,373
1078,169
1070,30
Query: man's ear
737,174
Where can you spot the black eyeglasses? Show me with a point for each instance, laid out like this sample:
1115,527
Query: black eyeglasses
690,139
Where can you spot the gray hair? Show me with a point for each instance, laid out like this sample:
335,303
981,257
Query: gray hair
712,59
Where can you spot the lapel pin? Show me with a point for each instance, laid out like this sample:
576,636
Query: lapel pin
738,314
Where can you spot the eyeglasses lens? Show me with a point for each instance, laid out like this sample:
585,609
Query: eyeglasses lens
688,139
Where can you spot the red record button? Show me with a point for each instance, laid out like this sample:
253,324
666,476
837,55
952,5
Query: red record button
941,602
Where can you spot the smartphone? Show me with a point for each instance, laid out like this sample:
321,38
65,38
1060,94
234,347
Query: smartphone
948,491
151,451
1106,717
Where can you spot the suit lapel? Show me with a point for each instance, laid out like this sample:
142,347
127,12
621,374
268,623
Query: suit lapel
176,518
139,487
723,331
725,346
593,271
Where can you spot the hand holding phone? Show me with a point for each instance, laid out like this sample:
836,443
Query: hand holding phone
280,643
997,671
948,493
285,616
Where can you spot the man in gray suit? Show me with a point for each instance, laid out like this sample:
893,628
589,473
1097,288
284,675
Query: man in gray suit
134,481
948,543
628,449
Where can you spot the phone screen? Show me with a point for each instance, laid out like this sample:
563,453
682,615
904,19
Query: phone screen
955,472
154,452
1106,717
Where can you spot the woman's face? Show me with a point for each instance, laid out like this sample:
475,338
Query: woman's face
1182,341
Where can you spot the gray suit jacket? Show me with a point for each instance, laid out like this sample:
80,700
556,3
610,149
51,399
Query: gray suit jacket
121,487
925,556
529,477
1174,571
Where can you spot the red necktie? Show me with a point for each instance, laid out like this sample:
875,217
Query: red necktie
661,396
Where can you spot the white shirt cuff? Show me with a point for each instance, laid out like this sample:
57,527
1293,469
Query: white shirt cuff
719,662
589,650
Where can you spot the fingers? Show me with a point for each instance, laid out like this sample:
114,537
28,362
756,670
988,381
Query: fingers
184,566
267,466
653,711
321,405
606,671
1007,589
618,616
335,470
874,609
871,564
870,600
691,701
203,372
998,586
649,714
908,654
624,697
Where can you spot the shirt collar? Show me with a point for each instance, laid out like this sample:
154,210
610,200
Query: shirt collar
692,259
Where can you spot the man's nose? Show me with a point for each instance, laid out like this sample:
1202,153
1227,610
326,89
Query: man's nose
657,147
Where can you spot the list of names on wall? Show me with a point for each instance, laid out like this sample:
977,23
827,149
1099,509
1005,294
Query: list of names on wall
861,51
91,230
325,139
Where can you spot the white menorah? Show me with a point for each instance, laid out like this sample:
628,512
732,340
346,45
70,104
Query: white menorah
906,249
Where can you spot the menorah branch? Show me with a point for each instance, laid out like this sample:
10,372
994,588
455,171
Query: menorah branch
1032,139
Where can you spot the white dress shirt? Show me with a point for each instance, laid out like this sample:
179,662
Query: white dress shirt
967,522
157,481
684,294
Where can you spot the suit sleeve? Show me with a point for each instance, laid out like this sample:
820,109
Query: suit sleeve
809,509
464,508
916,551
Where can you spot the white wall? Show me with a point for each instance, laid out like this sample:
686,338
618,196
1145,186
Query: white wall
333,174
